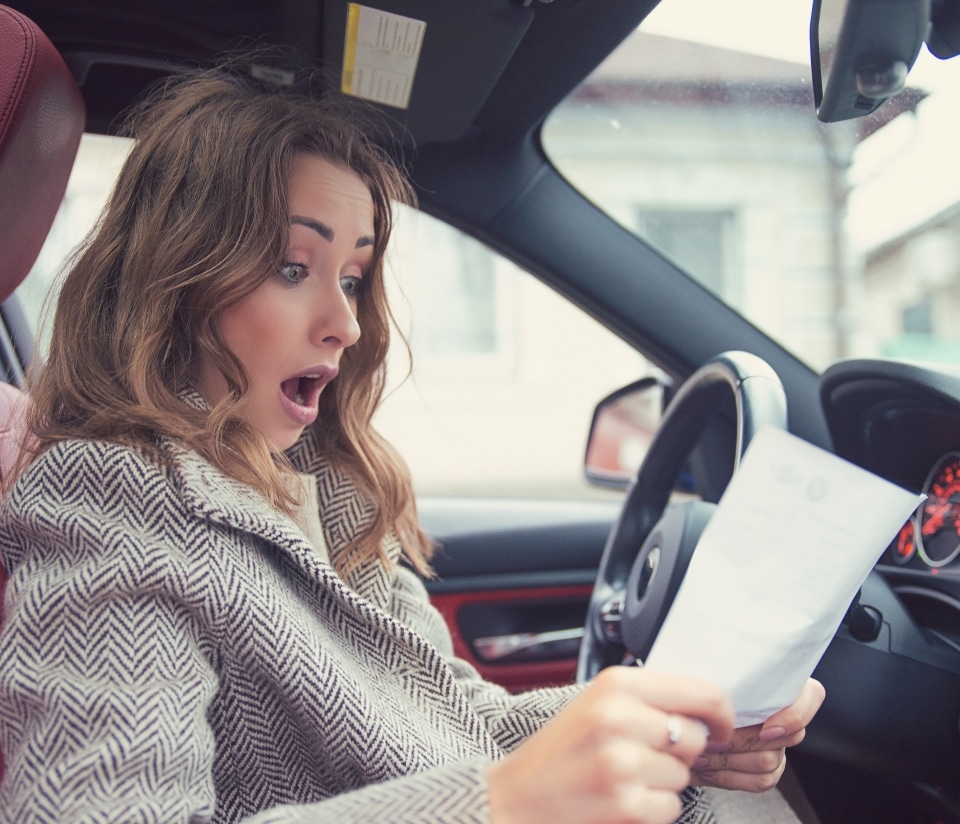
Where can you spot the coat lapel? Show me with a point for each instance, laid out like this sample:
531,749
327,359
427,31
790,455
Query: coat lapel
211,495
345,511
362,603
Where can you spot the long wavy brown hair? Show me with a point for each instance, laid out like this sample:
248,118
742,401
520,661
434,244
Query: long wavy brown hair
198,220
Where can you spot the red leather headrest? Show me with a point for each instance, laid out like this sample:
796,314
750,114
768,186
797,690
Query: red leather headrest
41,120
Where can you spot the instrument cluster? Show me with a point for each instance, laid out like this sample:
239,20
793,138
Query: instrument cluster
901,421
932,535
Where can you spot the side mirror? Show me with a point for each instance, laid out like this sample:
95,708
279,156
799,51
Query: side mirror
861,51
621,432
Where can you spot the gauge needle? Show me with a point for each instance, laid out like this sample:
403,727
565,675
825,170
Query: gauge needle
934,518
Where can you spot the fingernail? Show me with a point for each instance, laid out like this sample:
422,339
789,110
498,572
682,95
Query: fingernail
771,733
701,762
719,746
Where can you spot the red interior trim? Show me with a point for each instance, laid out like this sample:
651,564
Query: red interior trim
515,677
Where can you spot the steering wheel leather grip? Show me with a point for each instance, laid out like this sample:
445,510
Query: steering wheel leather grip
650,545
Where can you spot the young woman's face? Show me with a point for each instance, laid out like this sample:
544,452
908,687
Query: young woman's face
290,332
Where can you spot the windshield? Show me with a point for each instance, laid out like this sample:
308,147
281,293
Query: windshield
699,134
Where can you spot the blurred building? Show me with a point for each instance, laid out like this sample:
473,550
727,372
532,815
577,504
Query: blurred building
915,317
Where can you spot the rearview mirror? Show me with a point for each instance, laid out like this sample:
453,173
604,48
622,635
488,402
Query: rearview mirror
861,52
622,429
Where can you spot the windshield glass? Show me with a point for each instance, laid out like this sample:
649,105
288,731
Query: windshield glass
699,134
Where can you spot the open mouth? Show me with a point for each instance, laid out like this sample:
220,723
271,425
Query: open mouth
304,390
300,394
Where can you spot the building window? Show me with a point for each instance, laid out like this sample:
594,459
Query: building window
460,316
699,242
918,319
452,287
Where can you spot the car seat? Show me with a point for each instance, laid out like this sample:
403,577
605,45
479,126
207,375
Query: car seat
42,117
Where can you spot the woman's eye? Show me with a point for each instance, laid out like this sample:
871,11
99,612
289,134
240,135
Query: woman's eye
293,272
352,286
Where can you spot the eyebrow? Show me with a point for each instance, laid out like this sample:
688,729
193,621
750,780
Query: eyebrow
326,232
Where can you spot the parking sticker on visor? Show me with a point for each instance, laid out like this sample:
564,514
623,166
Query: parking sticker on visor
380,55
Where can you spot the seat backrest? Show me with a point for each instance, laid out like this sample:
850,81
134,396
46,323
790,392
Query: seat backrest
13,404
41,120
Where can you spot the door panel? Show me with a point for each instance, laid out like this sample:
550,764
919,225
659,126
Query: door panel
514,580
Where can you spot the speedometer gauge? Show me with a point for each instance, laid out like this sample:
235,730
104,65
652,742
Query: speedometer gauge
938,541
906,543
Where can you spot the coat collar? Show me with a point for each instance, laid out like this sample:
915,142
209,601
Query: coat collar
210,495
345,510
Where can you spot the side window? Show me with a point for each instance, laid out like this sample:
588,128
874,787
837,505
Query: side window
505,372
699,241
97,165
458,304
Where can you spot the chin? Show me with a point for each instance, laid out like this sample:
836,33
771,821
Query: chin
282,444
282,438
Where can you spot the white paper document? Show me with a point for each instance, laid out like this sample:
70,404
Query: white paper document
796,533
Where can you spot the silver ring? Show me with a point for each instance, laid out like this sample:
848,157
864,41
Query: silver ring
674,730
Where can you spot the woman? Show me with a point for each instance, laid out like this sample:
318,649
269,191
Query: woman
213,608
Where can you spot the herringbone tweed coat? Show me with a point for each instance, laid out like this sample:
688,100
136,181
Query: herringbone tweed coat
175,650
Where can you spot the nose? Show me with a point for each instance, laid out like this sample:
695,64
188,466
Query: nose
334,321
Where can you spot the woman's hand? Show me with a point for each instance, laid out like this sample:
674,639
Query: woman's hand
620,752
753,759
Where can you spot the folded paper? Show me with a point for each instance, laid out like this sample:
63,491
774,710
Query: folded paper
794,536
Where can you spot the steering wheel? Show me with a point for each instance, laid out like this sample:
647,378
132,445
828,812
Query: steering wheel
650,546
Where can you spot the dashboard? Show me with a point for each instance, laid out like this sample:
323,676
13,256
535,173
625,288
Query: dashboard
901,420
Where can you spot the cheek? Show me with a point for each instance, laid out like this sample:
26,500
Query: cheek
253,328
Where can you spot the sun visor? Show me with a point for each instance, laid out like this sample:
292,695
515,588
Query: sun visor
430,66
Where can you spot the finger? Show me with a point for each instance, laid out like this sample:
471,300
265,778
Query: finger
656,806
736,780
680,695
629,719
745,782
770,740
798,715
606,718
756,737
622,763
683,738
755,763
637,802
785,728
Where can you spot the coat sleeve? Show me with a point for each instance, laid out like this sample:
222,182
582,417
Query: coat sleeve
104,685
454,793
510,718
